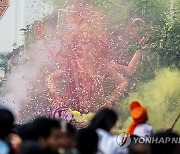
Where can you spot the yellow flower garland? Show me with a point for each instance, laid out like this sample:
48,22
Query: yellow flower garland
81,117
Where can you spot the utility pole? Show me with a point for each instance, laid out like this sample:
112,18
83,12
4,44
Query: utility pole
21,23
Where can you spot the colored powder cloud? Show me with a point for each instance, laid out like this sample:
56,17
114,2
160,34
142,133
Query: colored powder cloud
161,96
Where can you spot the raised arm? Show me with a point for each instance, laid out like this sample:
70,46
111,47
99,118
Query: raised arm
132,66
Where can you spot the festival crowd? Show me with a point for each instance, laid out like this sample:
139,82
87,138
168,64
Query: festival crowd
49,136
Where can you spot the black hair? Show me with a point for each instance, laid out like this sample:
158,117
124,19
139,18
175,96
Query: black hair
167,148
6,122
71,129
104,119
40,127
31,147
87,141
25,131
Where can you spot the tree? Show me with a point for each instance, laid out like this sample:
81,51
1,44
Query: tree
4,58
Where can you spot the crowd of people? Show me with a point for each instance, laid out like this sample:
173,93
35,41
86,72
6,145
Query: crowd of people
49,136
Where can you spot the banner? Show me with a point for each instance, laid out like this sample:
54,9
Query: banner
4,4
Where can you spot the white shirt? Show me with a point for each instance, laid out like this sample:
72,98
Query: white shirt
143,130
108,143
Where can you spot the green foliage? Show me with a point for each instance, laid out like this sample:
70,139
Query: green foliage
163,44
170,54
152,11
161,97
163,28
4,58
163,25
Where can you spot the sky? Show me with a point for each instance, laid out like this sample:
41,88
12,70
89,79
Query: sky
12,21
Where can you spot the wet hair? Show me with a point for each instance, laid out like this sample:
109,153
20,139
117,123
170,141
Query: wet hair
104,119
6,122
87,141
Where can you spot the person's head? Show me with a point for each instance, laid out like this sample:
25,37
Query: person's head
25,132
137,24
171,146
138,29
67,140
138,148
139,116
104,119
6,123
138,112
87,141
31,147
46,132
